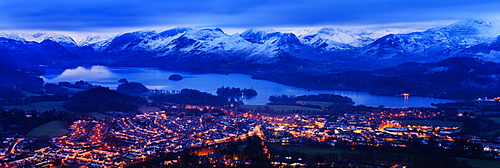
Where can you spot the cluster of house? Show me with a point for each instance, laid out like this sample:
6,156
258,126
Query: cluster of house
97,143
351,129
124,141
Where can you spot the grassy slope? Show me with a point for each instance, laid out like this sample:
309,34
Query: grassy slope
318,103
40,106
281,107
100,115
481,163
496,119
433,123
329,151
315,150
52,129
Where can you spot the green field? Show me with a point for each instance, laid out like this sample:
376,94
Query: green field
490,132
433,123
40,106
52,129
318,103
75,90
281,107
145,109
481,163
496,119
315,150
100,115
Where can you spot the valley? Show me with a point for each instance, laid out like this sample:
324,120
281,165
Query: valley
402,97
367,61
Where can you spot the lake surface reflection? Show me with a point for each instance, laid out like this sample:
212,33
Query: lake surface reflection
154,78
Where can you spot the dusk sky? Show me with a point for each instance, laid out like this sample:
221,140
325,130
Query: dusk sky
125,15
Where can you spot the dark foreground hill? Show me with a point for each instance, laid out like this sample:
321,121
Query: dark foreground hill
102,99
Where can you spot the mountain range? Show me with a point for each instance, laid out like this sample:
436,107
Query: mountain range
324,54
477,38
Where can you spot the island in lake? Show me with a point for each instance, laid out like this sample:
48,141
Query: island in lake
175,77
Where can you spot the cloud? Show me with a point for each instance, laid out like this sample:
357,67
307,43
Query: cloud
85,15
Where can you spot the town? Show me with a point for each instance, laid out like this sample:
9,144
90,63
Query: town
125,141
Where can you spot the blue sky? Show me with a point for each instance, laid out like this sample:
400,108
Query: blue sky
122,15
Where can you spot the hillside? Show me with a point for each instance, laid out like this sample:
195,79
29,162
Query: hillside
328,58
102,99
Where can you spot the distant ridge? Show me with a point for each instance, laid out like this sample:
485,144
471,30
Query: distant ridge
213,47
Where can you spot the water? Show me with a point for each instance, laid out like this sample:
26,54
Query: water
154,78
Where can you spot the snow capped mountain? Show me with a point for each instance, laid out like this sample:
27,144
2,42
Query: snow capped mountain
39,37
339,39
161,40
433,44
467,32
205,43
92,40
485,51
333,38
78,40
271,42
270,36
485,28
472,37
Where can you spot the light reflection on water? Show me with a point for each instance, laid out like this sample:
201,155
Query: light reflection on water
154,78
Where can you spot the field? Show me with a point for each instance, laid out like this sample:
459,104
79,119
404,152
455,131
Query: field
496,119
315,150
481,163
148,109
490,132
100,115
75,90
281,107
318,103
433,123
52,129
494,132
40,106
325,151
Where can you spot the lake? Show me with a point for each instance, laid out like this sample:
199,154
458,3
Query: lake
154,78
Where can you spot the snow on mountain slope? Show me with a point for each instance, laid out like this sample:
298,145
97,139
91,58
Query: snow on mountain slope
433,44
333,38
275,44
39,37
162,39
485,51
472,37
92,39
214,42
339,39
207,43
467,32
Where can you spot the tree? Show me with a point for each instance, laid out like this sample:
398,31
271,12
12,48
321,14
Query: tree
123,81
132,88
102,99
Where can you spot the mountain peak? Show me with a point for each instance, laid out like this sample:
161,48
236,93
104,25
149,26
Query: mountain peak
205,34
259,35
259,30
39,37
482,22
472,27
